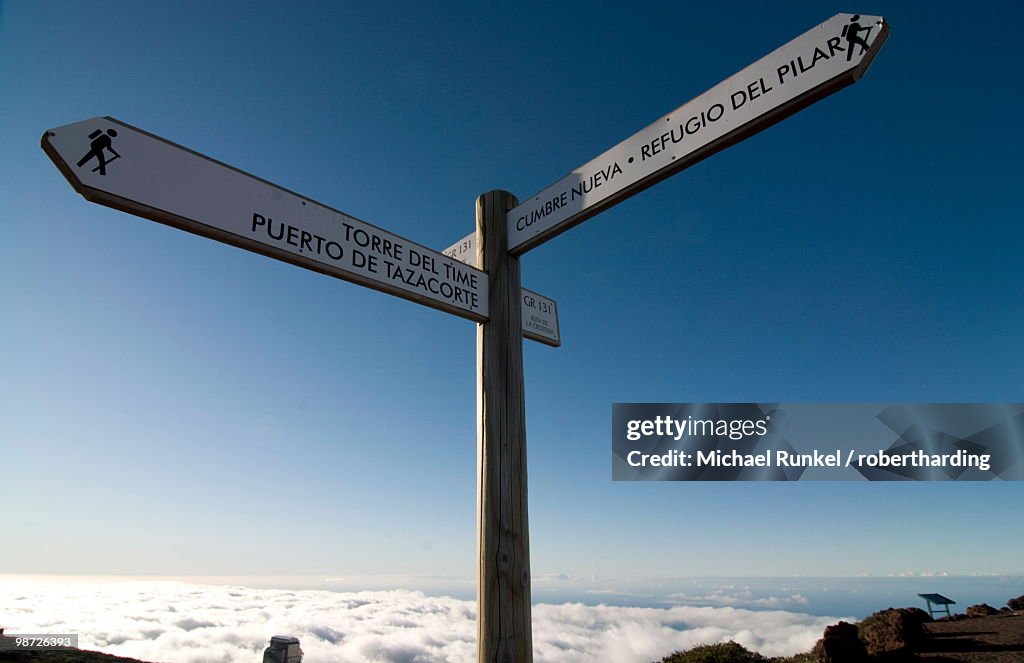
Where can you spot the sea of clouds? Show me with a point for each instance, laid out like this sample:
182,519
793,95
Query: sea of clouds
180,622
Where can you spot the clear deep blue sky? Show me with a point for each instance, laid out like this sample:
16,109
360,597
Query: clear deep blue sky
171,405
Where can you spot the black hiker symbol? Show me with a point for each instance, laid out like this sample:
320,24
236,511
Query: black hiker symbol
100,142
852,34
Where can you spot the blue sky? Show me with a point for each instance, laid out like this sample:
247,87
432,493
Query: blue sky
171,405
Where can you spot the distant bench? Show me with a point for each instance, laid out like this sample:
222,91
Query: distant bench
939,600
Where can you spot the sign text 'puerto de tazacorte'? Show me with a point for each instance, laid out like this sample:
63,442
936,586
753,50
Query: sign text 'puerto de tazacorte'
539,314
815,64
117,165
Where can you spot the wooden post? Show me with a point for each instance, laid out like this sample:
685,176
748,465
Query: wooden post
504,632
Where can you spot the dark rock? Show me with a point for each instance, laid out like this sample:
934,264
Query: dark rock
1016,604
840,645
981,610
894,632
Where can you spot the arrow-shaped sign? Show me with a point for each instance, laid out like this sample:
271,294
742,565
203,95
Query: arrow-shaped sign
540,314
812,66
117,165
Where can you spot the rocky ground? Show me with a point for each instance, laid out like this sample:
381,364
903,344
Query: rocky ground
991,639
982,635
63,656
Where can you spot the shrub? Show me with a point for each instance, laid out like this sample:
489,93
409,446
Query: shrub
893,631
723,652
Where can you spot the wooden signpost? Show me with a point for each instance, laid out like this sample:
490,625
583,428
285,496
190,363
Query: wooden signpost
115,164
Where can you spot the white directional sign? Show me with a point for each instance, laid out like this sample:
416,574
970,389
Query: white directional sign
540,318
463,250
540,314
812,66
117,165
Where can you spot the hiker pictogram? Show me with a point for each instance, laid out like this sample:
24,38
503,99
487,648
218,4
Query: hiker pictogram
98,147
852,34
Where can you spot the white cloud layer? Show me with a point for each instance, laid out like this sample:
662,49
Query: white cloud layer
188,623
